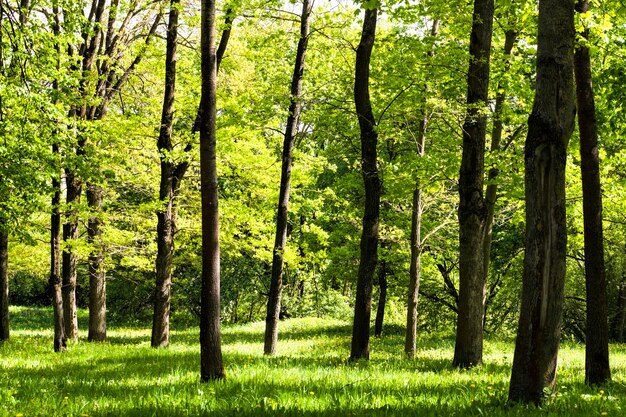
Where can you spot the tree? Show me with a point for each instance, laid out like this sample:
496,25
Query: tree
295,105
550,126
211,364
597,369
468,350
369,172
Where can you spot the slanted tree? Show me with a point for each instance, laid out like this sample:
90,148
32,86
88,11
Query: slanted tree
211,363
369,171
597,368
550,126
468,350
280,240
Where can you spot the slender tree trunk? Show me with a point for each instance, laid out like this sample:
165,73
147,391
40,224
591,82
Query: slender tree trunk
550,126
369,171
166,215
415,268
211,364
382,298
4,283
56,281
468,350
619,320
70,236
280,240
97,278
496,138
597,369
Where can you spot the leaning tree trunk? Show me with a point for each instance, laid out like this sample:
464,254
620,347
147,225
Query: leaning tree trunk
382,298
97,279
280,240
550,126
417,210
597,369
211,364
369,171
166,215
70,236
4,283
56,282
468,350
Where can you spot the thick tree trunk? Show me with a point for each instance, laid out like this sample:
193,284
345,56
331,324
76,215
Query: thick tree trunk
369,171
280,240
549,129
211,364
70,236
97,278
597,369
468,350
382,299
415,268
4,283
56,282
496,138
166,215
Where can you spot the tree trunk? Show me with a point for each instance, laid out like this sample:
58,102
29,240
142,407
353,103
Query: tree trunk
211,364
619,320
369,171
550,126
276,282
166,215
4,283
56,282
97,278
468,350
597,369
382,299
496,138
415,268
70,236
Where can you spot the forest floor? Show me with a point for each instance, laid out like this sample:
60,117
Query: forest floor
309,377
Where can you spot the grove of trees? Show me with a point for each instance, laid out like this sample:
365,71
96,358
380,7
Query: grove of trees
421,155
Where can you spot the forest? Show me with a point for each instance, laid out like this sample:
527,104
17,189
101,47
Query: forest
312,207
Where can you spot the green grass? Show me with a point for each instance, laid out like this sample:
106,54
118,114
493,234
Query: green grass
309,377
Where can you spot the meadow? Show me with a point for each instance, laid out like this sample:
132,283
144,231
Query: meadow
309,377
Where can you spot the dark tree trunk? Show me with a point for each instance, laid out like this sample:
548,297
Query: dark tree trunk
369,171
382,298
97,278
550,126
468,350
55,280
496,138
276,282
70,236
597,369
619,320
415,265
4,283
166,215
211,364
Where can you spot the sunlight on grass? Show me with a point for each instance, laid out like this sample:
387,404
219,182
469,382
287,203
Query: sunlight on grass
309,377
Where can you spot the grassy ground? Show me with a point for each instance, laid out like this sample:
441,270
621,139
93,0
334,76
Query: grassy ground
309,377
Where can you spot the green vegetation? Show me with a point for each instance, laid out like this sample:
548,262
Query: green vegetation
309,377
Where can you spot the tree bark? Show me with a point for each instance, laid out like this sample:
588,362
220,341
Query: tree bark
70,236
280,240
211,364
55,280
369,171
4,283
97,278
619,320
468,350
597,369
166,215
382,299
415,268
550,126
